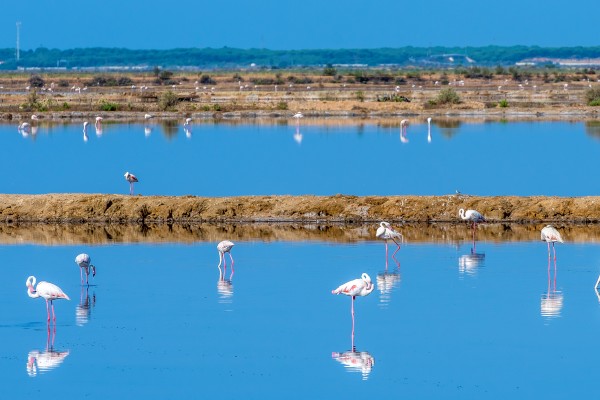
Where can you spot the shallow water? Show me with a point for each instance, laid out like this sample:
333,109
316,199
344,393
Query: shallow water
493,158
446,323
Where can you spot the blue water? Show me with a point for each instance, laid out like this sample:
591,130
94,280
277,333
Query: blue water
226,159
160,324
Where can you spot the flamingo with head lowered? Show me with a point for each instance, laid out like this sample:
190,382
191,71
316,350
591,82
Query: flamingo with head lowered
48,291
131,178
225,247
84,262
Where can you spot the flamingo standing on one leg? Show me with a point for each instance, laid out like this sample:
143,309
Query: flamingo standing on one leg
356,287
387,233
46,290
225,247
550,234
131,178
84,262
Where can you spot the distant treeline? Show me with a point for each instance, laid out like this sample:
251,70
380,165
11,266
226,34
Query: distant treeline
226,57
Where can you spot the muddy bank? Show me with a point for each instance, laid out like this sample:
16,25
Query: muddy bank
145,210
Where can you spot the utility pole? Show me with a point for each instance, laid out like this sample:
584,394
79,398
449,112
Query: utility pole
18,37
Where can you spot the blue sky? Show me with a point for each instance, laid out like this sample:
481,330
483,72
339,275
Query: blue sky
308,24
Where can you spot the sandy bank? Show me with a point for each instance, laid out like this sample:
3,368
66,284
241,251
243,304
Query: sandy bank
120,209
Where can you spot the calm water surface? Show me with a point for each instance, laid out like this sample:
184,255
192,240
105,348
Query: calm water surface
519,158
444,324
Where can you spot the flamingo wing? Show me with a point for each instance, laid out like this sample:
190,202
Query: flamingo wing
50,291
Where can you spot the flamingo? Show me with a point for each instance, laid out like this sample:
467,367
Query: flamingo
48,291
34,117
147,116
550,234
356,287
84,262
471,215
429,130
298,115
25,127
386,232
187,122
98,122
131,178
85,136
225,247
403,125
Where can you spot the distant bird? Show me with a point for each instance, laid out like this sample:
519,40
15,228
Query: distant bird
187,121
225,247
46,290
387,233
356,287
84,262
131,178
98,122
429,130
471,215
403,125
550,234
298,115
34,117
85,125
147,116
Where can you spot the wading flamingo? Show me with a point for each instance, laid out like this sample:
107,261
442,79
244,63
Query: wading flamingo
98,122
84,262
225,247
403,125
550,234
387,233
298,115
131,178
471,215
356,287
46,290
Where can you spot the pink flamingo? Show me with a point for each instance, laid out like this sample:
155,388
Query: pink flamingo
84,260
356,287
131,178
550,234
48,291
386,232
225,247
403,125
474,217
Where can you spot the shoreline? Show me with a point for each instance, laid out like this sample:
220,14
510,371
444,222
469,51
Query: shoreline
305,209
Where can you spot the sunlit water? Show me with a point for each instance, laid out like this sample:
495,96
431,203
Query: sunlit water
160,323
225,159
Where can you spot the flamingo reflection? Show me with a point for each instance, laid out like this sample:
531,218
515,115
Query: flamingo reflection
188,131
403,125
552,301
83,310
429,130
47,360
386,282
470,263
356,361
298,135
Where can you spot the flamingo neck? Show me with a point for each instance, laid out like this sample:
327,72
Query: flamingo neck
31,292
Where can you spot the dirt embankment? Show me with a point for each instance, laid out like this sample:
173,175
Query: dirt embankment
108,208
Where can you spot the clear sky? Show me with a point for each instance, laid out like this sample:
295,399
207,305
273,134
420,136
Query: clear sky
302,24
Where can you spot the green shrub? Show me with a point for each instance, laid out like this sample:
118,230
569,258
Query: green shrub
360,95
592,96
447,96
108,106
329,70
282,105
167,100
503,103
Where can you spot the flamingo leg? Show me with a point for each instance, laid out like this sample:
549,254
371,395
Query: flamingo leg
87,276
353,297
48,311
81,275
231,257
548,250
53,314
554,275
554,248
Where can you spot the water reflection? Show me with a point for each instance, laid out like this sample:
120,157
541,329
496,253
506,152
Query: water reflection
471,262
386,283
83,310
188,131
356,361
298,135
49,359
552,301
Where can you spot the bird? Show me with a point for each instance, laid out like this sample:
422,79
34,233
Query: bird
356,287
147,116
25,126
403,125
46,290
34,117
85,125
84,262
223,247
429,130
550,234
98,121
471,215
187,121
386,232
131,178
298,115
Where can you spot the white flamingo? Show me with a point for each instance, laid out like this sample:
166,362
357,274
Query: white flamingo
549,234
48,291
387,233
131,178
429,130
147,116
298,115
85,136
472,216
353,288
403,125
84,262
223,247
